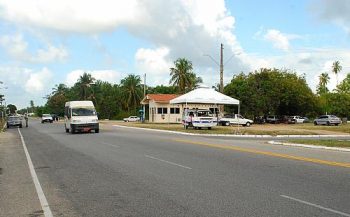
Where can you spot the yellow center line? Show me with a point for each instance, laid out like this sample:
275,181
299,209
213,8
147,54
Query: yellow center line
273,154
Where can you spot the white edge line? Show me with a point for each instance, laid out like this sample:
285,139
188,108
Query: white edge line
308,146
165,161
43,202
235,136
317,206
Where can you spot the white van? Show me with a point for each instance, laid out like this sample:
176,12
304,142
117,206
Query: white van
198,119
80,116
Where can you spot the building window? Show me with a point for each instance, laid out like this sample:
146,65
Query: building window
162,110
174,110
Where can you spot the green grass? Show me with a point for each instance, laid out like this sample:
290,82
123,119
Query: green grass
345,128
328,143
233,130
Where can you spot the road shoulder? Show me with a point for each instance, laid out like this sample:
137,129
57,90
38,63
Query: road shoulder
17,190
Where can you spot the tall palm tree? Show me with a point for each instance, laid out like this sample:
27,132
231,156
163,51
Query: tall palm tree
182,75
84,82
322,86
59,89
336,68
132,91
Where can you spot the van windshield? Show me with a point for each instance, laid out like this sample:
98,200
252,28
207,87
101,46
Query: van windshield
83,112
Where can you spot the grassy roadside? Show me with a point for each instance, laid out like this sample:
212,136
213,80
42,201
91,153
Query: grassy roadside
233,130
328,143
344,128
1,125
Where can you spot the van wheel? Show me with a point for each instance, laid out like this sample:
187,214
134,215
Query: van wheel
20,126
7,125
209,128
67,130
97,130
315,123
247,124
328,123
336,124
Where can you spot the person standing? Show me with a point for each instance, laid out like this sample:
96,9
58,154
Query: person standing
26,119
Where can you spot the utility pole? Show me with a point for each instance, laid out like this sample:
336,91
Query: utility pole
221,89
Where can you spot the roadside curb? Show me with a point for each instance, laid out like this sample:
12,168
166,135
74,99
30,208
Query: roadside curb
234,136
309,146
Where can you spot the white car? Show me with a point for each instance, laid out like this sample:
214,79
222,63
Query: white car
46,118
235,119
131,119
296,120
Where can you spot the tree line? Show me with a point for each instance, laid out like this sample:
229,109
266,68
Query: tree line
261,92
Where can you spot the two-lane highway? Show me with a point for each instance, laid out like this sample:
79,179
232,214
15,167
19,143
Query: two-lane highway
129,172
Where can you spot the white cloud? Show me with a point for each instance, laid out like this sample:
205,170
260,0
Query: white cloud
154,63
70,16
103,75
278,39
38,80
24,84
17,47
188,28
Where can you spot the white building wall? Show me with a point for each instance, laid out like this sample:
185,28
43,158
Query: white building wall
154,117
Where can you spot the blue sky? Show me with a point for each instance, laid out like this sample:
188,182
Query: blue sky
44,43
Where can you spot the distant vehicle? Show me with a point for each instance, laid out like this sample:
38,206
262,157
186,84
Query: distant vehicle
198,119
46,118
259,120
80,116
327,120
14,121
131,119
296,120
306,120
272,119
235,119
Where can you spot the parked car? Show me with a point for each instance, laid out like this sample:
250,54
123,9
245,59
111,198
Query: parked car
327,120
272,119
46,118
306,120
14,121
259,120
296,120
235,119
131,119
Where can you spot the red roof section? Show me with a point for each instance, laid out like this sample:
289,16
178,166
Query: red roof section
161,97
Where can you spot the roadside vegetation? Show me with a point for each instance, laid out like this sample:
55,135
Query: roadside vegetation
328,143
268,91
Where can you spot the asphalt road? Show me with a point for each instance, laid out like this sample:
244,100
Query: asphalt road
127,172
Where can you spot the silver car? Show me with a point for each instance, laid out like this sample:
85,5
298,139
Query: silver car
327,120
14,121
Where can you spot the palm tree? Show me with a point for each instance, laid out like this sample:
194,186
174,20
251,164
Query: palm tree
322,86
182,75
336,68
84,82
59,89
132,91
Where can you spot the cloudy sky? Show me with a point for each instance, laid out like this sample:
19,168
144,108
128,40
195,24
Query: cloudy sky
43,43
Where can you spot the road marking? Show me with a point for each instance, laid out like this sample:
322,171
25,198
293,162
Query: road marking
165,161
315,205
114,146
43,202
273,154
